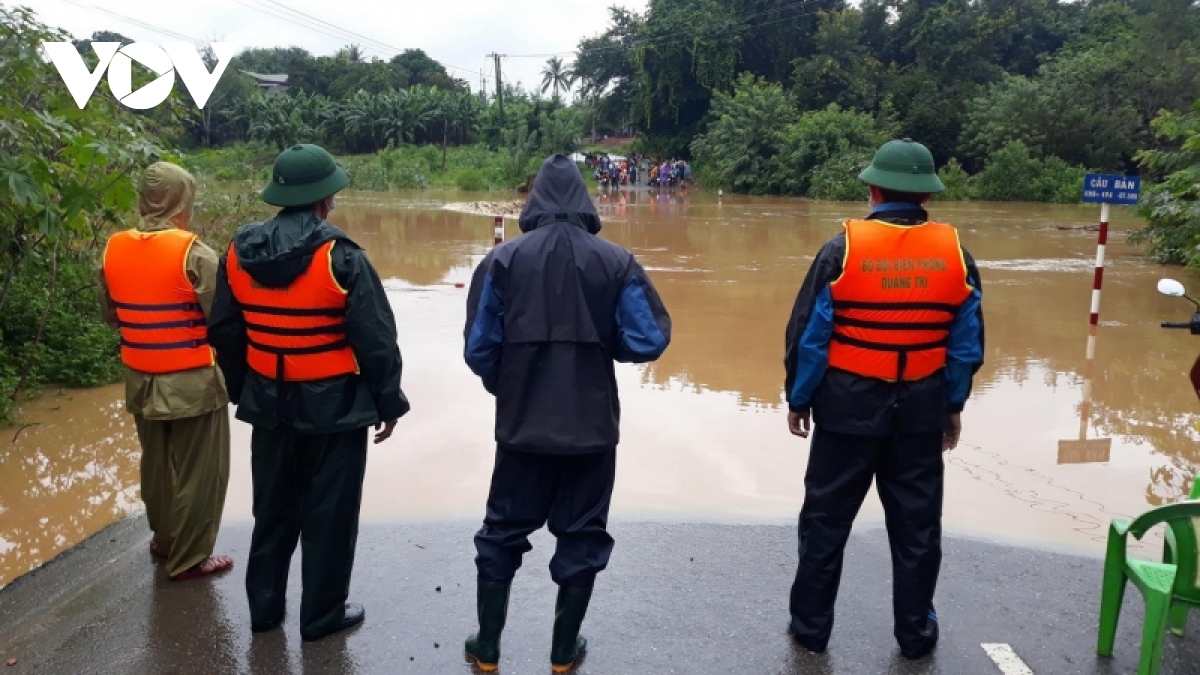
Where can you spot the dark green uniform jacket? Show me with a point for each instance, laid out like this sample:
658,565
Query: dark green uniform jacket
274,253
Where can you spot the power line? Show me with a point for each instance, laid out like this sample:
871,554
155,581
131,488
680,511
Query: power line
701,33
363,37
298,18
135,22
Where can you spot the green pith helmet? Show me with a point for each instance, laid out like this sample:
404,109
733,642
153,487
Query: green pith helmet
904,166
304,174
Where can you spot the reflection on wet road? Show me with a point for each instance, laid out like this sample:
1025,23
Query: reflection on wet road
703,435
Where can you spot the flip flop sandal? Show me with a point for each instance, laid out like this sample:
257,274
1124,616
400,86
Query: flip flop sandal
219,564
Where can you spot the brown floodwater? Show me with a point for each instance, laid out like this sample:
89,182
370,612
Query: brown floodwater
703,432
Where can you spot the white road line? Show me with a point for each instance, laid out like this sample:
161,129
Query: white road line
1007,660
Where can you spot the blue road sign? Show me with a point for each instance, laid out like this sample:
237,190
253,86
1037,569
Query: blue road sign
1111,189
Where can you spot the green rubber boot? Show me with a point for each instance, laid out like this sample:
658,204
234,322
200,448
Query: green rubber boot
568,646
483,648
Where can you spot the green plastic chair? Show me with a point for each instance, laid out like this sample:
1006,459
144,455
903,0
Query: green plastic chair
1170,588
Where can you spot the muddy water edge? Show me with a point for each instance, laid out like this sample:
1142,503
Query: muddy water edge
703,433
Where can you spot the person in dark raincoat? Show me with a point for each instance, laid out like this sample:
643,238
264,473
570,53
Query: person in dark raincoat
307,341
547,315
884,340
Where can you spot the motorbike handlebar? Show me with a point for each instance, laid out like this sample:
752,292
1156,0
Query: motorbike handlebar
1177,324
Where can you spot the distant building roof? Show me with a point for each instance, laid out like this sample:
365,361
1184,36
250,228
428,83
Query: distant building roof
268,79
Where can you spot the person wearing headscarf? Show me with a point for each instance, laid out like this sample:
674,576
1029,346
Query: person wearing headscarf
157,284
548,314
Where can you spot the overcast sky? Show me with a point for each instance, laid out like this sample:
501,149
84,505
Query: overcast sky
455,32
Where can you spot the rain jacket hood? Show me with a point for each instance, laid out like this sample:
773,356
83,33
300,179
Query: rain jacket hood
558,194
549,312
274,253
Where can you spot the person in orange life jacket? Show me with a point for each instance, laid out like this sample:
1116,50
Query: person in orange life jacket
307,341
884,340
157,284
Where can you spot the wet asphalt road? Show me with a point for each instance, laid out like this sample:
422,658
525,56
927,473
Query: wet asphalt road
677,598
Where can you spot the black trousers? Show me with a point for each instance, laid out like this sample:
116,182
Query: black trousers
307,488
570,492
908,473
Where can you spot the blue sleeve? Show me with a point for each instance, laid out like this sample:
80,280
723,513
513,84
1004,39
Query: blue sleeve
812,352
644,326
485,337
964,352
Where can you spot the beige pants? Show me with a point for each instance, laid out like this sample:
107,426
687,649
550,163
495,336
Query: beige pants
185,470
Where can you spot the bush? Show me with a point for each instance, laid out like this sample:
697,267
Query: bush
471,180
837,179
1172,204
237,162
818,137
958,183
388,170
736,150
1014,174
77,348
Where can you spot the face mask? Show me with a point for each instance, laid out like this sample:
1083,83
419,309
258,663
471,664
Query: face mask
332,205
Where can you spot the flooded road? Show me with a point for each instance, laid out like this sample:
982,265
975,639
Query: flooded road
703,430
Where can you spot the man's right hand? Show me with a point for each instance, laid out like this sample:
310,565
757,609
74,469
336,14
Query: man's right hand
387,427
952,432
800,423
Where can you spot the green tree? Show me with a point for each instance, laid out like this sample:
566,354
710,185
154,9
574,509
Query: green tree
844,137
351,53
1080,108
66,177
738,148
1015,174
1172,206
418,68
843,70
557,76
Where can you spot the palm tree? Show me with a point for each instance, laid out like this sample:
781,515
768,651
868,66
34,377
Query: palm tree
352,53
556,76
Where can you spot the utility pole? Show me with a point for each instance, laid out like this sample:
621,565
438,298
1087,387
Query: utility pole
499,89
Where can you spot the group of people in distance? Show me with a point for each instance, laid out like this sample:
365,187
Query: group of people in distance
291,323
610,171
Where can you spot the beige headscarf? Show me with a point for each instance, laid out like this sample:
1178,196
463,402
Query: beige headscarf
166,191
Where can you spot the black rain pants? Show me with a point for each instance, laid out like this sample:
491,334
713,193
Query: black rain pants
571,493
307,489
908,473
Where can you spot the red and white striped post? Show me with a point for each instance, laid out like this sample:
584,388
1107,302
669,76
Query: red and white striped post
1101,243
499,230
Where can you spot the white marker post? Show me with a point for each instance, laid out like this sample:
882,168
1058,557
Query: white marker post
1104,190
499,230
1098,281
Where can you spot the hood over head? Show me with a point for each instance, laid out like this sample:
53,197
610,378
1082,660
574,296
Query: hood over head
274,253
559,194
165,191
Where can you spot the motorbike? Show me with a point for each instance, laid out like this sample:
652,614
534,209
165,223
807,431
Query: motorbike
605,179
1174,289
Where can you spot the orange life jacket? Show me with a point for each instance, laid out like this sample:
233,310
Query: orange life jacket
159,317
296,333
896,300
